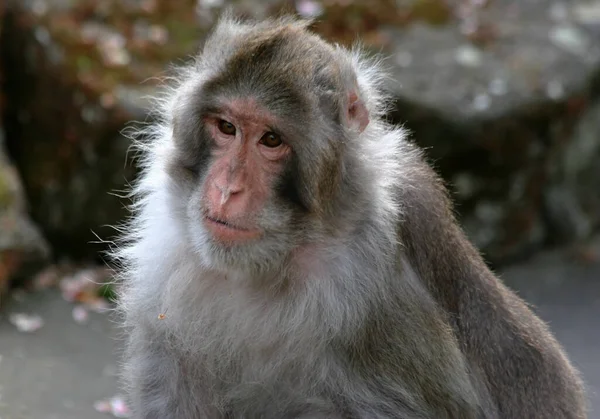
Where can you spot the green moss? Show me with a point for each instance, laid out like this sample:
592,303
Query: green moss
6,195
107,291
434,12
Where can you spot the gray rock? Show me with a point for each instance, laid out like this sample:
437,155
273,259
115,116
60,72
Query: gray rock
511,124
572,202
532,59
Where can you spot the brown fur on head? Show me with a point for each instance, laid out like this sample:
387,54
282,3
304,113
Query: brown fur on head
244,196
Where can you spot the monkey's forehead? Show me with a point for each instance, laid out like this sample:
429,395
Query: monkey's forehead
279,103
285,68
287,39
282,56
272,88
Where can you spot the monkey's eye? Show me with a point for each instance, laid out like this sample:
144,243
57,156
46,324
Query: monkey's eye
226,128
271,140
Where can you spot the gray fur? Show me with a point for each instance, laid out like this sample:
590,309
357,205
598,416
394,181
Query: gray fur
365,300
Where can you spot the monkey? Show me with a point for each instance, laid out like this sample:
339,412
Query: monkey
292,254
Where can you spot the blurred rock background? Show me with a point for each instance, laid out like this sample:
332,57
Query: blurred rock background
503,94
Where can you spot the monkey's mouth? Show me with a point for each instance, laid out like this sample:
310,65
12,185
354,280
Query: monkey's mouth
225,223
226,231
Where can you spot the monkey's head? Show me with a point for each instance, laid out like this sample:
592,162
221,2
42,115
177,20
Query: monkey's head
264,132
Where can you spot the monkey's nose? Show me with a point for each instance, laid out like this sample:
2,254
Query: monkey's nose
226,192
229,189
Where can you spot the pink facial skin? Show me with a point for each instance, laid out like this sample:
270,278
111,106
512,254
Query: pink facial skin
246,160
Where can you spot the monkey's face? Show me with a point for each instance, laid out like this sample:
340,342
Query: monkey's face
247,156
241,210
266,147
239,217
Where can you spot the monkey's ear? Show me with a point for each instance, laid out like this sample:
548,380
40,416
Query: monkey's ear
358,115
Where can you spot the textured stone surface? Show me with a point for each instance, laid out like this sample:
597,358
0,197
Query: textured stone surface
510,122
507,112
23,250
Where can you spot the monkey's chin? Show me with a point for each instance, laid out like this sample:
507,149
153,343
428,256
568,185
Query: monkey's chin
230,235
252,256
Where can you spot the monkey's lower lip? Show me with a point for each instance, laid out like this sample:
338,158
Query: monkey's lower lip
224,231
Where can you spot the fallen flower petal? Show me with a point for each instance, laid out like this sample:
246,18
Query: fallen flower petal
25,322
80,314
116,406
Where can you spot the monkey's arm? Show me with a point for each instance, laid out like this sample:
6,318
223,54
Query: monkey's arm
522,366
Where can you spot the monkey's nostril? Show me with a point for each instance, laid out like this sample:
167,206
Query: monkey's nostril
228,190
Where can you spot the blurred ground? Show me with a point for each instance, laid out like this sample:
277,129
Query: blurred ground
59,371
